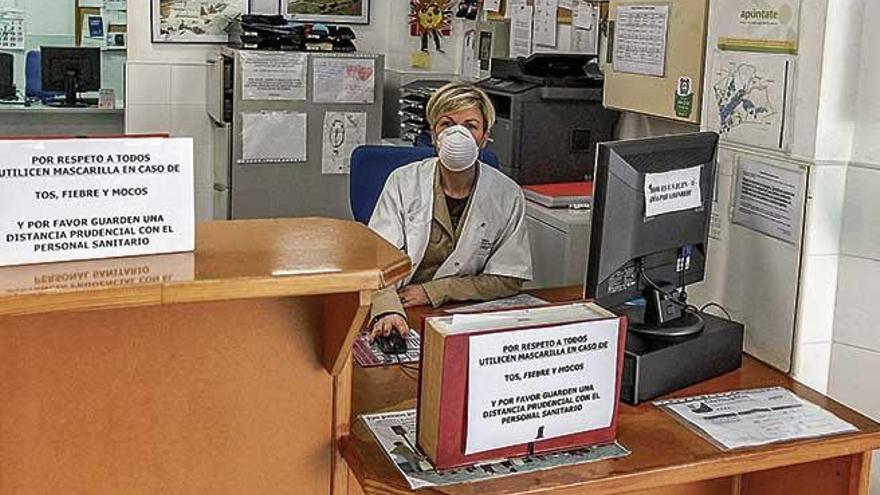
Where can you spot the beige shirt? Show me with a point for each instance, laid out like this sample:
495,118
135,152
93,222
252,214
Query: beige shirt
440,245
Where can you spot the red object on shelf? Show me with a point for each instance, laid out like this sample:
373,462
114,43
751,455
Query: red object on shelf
561,195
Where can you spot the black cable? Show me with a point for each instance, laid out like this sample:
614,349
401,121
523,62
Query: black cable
716,305
671,297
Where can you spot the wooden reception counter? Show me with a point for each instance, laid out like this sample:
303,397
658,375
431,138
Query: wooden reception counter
222,371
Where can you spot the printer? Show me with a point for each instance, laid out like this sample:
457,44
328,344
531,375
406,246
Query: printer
549,116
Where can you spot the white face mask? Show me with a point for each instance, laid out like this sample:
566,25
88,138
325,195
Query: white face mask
458,149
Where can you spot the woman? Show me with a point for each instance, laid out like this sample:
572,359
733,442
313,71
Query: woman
461,222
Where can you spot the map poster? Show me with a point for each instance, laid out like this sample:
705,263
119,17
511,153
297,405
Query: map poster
748,98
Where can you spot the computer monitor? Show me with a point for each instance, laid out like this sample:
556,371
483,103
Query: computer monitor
71,70
7,86
649,234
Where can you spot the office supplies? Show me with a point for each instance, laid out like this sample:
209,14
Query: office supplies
560,195
549,117
507,383
649,234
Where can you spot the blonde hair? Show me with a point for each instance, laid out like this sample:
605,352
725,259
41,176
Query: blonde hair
457,96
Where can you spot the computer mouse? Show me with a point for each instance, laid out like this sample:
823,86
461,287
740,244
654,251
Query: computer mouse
392,343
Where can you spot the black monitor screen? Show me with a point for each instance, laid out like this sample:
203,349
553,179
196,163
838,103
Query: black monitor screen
651,214
78,64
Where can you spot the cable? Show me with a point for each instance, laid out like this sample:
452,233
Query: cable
671,297
716,305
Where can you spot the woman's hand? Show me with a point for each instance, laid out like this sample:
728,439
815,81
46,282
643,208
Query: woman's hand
413,295
386,324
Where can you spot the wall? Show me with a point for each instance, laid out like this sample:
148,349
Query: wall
855,348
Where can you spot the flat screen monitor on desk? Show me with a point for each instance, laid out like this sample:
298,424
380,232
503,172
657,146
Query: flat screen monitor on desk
71,70
651,214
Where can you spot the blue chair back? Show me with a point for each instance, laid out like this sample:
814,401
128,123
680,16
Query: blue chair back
33,75
371,165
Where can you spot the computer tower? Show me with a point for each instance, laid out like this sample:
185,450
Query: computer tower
7,86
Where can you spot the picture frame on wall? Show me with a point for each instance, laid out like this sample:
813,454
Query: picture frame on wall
327,11
193,21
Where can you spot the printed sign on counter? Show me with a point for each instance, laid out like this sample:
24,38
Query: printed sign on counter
541,383
75,199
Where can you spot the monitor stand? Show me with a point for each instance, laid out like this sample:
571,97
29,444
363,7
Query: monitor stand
664,317
70,97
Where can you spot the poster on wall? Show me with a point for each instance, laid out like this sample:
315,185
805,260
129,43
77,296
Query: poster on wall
343,132
765,26
343,80
193,21
330,11
430,19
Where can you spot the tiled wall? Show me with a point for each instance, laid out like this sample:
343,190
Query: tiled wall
170,98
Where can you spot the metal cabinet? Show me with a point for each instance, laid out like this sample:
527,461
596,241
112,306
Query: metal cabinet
559,240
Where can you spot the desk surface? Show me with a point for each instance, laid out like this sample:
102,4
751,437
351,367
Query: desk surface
663,451
232,260
7,107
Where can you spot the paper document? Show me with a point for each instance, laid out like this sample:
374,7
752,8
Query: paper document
545,22
540,383
274,137
396,434
676,190
769,199
517,301
640,39
747,418
273,75
12,30
343,80
585,14
492,5
520,30
343,132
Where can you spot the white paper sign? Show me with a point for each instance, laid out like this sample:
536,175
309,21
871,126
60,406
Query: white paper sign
584,14
492,5
640,39
746,418
343,132
676,190
76,199
520,30
768,26
12,30
273,75
343,80
769,199
540,383
545,22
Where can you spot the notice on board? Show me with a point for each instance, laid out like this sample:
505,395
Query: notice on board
76,199
274,137
769,199
640,39
520,30
343,80
273,75
541,383
343,132
676,190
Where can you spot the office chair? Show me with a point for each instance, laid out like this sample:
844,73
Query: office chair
33,87
371,165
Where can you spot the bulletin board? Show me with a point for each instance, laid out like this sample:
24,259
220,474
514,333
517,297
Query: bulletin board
677,93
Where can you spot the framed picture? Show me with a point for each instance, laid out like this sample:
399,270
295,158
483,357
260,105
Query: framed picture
328,11
193,21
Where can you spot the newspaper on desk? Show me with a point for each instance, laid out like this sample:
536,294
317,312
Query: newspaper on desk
396,434
747,418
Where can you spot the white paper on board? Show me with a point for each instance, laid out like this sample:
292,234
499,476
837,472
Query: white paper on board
540,383
545,22
520,30
77,199
640,39
343,132
672,191
273,75
274,136
492,5
343,80
585,14
768,199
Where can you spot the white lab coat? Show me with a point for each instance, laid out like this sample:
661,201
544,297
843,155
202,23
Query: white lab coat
493,238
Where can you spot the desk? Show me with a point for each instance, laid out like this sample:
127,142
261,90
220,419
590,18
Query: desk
41,120
223,371
666,458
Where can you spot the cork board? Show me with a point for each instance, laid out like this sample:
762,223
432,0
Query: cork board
664,96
